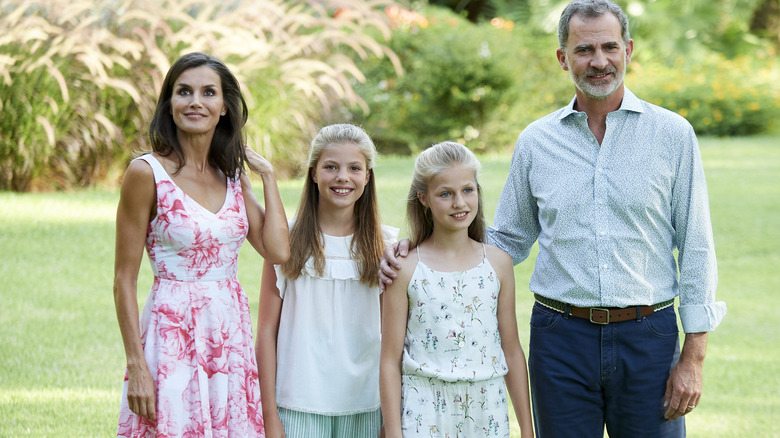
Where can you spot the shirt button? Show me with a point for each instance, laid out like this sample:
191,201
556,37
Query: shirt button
461,344
600,170
603,233
604,266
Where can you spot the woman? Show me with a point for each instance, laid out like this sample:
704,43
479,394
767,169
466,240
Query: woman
190,360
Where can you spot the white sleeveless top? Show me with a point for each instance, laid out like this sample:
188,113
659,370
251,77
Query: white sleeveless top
329,336
452,325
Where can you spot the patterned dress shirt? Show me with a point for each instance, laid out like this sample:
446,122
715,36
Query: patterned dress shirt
609,218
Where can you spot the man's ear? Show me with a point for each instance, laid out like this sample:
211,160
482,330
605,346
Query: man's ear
629,51
561,54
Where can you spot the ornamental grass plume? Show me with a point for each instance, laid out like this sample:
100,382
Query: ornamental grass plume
79,79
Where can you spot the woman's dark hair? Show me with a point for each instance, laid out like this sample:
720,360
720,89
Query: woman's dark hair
227,147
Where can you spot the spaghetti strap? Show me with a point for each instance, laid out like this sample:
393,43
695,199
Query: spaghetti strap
418,253
484,251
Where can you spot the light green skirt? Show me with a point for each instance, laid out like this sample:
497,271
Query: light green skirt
304,425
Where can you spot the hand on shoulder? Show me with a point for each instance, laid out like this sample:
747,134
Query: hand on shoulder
407,266
407,263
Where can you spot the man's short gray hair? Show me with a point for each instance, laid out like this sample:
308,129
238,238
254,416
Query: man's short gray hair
591,9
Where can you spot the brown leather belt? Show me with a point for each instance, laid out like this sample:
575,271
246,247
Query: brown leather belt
603,315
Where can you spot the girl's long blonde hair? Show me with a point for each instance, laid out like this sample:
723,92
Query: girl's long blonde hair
429,163
305,237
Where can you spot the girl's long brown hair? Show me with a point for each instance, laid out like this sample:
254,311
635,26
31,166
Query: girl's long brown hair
305,237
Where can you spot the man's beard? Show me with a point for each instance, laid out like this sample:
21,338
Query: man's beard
600,91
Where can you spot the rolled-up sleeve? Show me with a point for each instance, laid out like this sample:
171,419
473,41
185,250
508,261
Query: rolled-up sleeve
699,312
516,224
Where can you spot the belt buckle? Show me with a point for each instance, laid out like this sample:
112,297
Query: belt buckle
602,310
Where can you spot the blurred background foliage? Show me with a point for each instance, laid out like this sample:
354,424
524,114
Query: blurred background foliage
79,79
480,71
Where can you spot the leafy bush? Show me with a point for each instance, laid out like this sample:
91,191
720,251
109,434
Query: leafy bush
452,81
718,96
79,79
482,84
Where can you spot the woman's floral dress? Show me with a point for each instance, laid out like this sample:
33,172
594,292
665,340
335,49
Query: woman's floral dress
195,325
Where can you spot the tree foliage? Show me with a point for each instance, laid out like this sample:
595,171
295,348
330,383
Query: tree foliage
669,27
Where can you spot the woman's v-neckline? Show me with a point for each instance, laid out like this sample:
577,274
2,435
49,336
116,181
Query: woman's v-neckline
170,178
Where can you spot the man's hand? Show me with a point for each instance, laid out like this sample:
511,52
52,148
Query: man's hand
389,266
684,387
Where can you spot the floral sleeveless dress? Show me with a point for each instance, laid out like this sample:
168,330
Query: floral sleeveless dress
453,366
196,328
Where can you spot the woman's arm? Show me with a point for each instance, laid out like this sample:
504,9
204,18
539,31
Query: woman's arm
517,377
395,307
265,348
136,207
268,232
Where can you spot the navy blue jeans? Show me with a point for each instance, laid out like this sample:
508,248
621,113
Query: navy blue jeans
585,376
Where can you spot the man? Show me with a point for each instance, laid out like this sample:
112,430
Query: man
610,186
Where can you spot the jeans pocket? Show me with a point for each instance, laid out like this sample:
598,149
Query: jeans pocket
543,318
663,324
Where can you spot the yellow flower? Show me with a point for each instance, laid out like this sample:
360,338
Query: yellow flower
754,106
683,112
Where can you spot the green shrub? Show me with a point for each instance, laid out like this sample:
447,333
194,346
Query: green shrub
539,87
718,96
450,91
452,82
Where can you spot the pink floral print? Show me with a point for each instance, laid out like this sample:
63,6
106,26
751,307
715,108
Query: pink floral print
195,325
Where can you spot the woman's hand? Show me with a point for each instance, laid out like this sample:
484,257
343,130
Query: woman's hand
142,394
257,163
137,206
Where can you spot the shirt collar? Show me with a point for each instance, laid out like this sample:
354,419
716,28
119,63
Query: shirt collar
630,103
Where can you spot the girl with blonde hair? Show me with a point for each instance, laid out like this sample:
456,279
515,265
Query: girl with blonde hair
450,347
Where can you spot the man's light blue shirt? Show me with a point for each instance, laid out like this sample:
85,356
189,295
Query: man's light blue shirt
608,218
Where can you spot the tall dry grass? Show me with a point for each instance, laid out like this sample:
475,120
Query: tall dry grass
79,79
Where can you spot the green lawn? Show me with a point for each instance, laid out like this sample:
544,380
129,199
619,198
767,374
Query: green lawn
61,355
